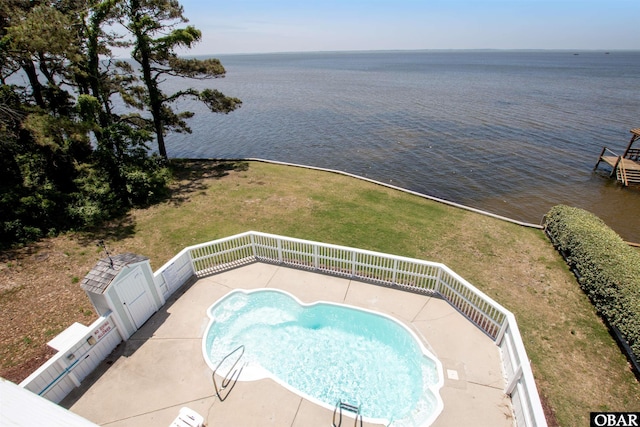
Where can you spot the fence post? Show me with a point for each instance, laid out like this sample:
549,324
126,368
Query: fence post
279,246
353,263
316,261
513,382
502,331
193,265
438,280
394,276
252,239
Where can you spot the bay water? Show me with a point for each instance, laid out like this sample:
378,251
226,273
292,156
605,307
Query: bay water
510,132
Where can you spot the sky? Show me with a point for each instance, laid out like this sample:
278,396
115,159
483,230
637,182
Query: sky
260,26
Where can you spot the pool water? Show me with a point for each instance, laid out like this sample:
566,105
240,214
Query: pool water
328,353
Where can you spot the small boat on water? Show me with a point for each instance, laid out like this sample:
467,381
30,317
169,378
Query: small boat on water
625,167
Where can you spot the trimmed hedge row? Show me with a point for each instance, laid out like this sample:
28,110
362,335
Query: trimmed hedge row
608,269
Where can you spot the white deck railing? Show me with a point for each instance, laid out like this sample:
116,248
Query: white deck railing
394,271
64,371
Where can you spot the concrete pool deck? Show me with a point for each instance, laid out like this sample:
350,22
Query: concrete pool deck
161,368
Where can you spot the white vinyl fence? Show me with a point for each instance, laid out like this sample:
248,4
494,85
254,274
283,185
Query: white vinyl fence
80,355
397,272
65,370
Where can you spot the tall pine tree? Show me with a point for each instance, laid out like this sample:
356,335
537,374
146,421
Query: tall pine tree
155,40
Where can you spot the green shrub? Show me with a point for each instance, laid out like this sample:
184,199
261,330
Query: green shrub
147,183
95,201
15,232
608,269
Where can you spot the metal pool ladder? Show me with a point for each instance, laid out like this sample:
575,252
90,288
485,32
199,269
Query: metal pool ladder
340,406
231,376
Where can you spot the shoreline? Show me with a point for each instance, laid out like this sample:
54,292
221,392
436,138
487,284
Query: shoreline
394,187
373,181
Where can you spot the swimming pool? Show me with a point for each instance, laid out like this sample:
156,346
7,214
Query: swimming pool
327,353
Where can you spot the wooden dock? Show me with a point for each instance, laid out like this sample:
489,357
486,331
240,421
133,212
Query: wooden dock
625,167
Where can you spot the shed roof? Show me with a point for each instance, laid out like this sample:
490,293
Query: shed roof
105,270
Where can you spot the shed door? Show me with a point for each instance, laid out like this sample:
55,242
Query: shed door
134,293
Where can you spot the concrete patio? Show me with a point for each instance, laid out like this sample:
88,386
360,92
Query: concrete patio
160,368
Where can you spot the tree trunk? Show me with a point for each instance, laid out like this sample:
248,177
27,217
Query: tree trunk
36,87
144,58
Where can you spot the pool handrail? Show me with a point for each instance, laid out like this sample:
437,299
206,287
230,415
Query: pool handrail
349,407
230,377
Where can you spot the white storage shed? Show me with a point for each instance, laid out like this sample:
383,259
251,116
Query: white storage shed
124,285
